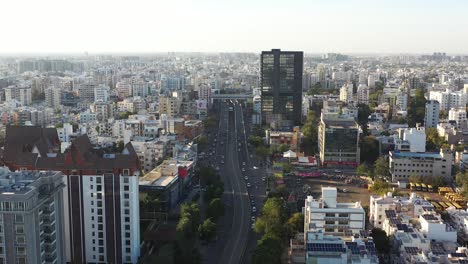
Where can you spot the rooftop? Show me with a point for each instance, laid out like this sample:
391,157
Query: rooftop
396,154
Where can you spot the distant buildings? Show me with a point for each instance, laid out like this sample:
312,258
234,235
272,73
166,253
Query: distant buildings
431,117
459,116
346,93
281,86
23,95
362,94
53,97
449,99
32,226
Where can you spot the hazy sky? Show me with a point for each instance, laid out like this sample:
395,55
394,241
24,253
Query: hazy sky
349,26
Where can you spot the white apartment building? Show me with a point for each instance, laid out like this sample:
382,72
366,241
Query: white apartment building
412,207
88,116
435,229
101,93
449,99
331,217
431,118
459,116
404,164
362,94
346,93
401,99
140,88
416,136
21,94
124,88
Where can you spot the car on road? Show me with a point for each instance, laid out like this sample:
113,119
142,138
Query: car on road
246,177
217,168
243,170
222,162
337,171
253,218
252,202
238,149
252,226
243,163
254,209
248,185
263,178
254,167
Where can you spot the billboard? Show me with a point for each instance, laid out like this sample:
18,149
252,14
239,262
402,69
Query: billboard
202,104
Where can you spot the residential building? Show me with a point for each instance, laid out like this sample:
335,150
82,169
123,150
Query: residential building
431,117
416,137
405,164
101,197
362,94
257,110
331,217
346,93
291,139
449,99
281,86
86,91
169,105
32,217
21,94
459,116
103,109
53,97
101,93
140,88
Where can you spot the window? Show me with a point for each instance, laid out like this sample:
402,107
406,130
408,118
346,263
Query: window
343,215
126,180
329,222
19,218
329,215
101,242
20,240
127,242
2,250
126,196
126,188
20,251
19,229
98,180
21,260
126,172
99,188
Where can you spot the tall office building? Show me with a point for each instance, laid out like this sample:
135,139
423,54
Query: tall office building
431,118
281,86
31,217
101,196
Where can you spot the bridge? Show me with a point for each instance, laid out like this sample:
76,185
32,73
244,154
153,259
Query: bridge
231,97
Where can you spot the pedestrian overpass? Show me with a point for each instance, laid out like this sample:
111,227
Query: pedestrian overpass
231,97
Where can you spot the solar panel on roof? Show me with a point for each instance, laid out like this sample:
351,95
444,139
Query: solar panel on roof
458,255
412,250
390,213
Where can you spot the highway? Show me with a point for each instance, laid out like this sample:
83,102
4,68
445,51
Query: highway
230,153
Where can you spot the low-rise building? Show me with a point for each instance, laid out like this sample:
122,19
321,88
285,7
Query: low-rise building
291,139
402,165
331,217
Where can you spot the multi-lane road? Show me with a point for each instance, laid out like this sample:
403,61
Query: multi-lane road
231,158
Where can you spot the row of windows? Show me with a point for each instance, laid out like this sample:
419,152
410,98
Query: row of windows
413,165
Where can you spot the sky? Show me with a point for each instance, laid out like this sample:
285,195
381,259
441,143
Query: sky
313,26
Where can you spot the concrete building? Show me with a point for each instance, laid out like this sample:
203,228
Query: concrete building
169,105
416,137
346,93
431,117
331,217
362,94
405,164
53,97
449,99
101,199
21,94
103,109
257,110
338,142
434,228
86,91
411,207
291,139
101,93
459,116
32,217
140,88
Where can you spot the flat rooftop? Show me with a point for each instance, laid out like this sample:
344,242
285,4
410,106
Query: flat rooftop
415,154
340,123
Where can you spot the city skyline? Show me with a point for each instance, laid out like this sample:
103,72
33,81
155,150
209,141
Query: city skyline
49,27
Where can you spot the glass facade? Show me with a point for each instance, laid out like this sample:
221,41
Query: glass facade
281,85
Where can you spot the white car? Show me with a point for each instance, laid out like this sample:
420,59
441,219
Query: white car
243,170
246,178
254,167
253,218
243,163
254,209
248,185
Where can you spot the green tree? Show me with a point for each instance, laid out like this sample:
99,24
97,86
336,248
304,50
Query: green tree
433,140
381,240
268,251
310,131
255,140
380,187
272,218
381,167
362,170
295,224
184,227
369,146
215,209
461,179
262,152
207,230
417,108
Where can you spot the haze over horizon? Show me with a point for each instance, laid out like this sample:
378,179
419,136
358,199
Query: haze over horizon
318,26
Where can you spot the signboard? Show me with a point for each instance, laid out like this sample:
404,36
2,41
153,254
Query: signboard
202,104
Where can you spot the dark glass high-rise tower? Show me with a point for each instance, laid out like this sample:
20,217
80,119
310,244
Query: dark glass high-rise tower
281,86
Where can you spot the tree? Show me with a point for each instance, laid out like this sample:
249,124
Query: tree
215,209
295,224
381,240
262,152
369,146
272,218
461,180
184,227
380,187
381,167
310,131
207,230
417,108
268,251
433,140
255,140
362,169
